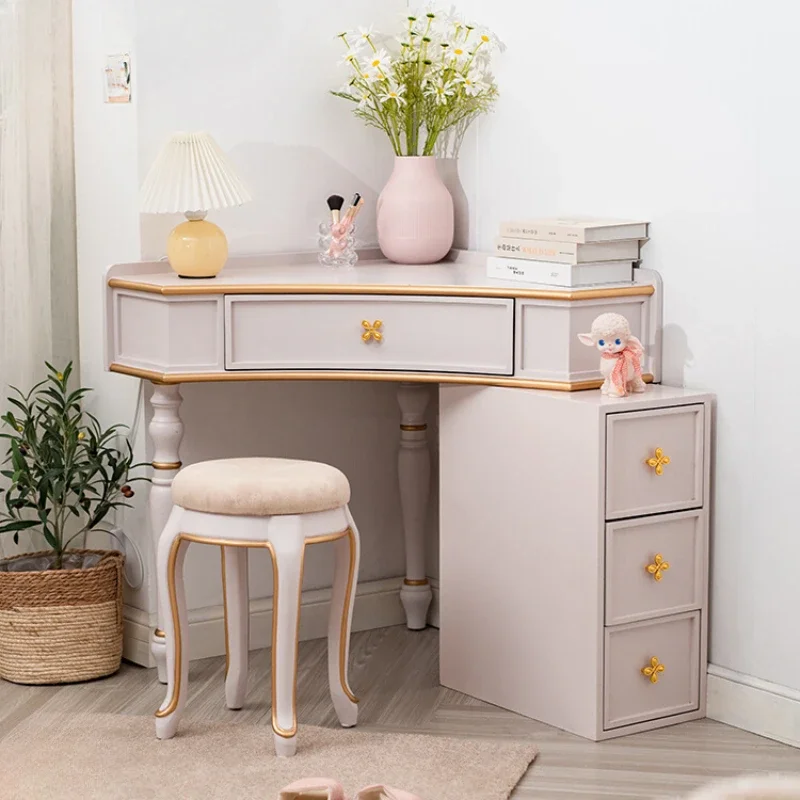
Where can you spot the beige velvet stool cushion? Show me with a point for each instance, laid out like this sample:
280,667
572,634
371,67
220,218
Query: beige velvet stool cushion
260,487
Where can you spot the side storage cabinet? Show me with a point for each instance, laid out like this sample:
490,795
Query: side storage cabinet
574,554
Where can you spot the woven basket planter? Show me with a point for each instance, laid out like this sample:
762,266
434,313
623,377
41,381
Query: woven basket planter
62,626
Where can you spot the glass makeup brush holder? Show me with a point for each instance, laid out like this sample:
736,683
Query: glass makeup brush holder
337,244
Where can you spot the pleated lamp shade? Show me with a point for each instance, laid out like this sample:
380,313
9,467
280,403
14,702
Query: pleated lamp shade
191,173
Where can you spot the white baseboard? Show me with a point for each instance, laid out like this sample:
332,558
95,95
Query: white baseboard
767,709
377,605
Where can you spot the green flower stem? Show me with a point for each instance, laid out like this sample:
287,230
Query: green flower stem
377,108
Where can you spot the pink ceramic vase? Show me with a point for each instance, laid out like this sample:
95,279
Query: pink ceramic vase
415,213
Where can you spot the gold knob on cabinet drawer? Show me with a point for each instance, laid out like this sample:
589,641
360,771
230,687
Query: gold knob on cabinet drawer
658,461
372,330
658,567
653,670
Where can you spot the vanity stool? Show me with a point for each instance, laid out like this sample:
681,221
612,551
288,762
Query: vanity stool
282,505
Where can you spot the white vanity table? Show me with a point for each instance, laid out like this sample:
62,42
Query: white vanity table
284,317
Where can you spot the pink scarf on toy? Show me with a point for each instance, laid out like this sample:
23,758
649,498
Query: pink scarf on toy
631,355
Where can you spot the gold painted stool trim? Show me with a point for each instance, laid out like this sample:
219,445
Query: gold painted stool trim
173,601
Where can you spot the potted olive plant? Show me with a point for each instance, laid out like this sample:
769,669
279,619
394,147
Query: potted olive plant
61,608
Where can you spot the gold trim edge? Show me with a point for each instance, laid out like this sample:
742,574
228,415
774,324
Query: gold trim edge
225,612
638,290
172,704
166,464
415,581
165,378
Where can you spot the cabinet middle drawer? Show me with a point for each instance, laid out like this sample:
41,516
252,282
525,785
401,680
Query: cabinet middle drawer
419,334
655,566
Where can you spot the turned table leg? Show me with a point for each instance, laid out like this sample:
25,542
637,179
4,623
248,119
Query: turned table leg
166,432
414,470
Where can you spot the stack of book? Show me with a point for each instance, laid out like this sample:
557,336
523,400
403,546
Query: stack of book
567,252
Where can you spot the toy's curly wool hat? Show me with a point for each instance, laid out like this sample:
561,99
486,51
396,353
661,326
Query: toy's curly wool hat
606,325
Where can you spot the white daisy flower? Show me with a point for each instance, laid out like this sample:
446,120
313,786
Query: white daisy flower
365,34
441,91
379,61
369,75
473,82
394,93
455,50
454,17
488,40
423,12
351,57
365,99
432,75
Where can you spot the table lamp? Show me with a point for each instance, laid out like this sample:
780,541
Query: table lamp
193,175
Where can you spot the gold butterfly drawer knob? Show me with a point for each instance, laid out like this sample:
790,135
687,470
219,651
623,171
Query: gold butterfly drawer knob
653,670
372,331
658,461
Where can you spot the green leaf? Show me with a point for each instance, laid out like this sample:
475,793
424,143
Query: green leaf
18,525
50,539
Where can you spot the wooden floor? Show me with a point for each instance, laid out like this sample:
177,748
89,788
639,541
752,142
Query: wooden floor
395,673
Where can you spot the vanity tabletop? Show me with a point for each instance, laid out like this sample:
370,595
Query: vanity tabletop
462,274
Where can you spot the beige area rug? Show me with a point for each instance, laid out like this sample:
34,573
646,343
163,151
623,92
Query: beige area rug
116,757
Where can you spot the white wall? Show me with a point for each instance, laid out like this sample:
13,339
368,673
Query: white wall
106,174
683,113
678,112
255,75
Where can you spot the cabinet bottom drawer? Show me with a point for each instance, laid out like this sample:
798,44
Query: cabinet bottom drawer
652,669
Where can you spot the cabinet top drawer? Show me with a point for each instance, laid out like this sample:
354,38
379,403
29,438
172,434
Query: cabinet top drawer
655,461
423,334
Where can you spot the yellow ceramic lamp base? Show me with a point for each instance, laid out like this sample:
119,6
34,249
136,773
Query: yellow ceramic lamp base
197,249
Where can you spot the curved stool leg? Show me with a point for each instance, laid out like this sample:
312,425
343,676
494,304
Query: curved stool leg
287,570
347,552
237,623
172,599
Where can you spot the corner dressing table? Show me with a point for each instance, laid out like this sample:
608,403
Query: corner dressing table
445,324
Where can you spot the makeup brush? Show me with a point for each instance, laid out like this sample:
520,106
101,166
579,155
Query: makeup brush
356,209
351,212
335,203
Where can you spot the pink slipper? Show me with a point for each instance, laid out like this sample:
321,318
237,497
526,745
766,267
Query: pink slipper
312,789
381,792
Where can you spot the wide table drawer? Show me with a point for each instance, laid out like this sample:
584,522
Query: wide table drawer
655,566
419,334
654,461
652,670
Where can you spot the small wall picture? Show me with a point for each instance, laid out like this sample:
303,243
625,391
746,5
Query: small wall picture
118,78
